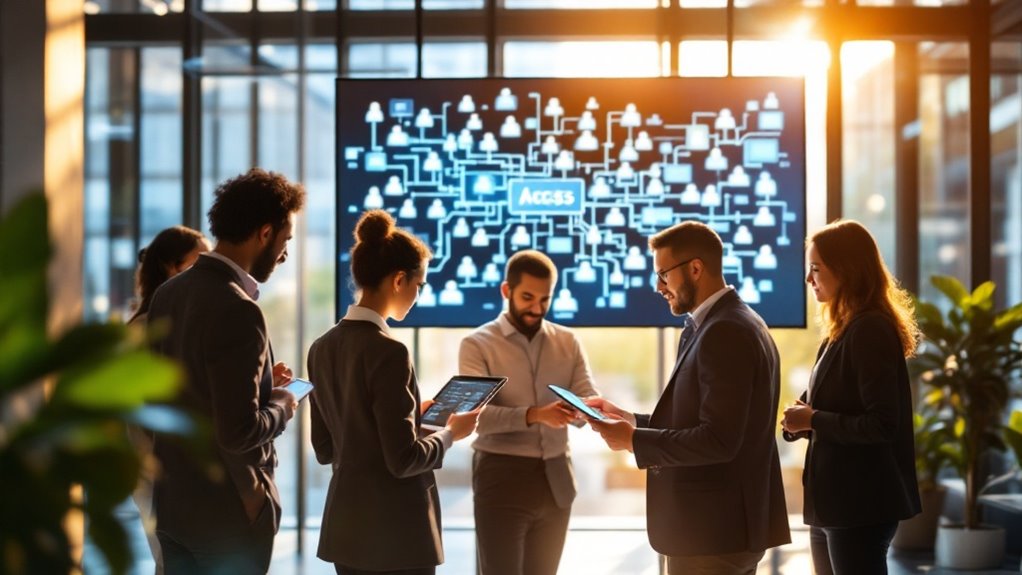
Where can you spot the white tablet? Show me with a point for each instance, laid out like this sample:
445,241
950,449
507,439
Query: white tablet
461,393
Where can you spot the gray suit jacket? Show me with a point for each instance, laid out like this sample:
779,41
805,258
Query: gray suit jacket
714,480
218,335
382,509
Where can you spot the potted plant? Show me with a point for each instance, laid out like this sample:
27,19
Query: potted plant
931,433
1013,437
64,403
967,359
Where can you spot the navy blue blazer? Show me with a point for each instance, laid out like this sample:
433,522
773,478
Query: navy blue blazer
860,465
714,477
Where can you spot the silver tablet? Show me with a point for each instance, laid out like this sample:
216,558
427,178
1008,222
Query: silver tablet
461,393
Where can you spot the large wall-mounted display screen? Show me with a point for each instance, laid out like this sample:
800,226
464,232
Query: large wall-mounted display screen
584,170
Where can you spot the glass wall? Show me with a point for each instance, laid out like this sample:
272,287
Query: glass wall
276,110
160,164
943,164
1006,171
111,207
868,135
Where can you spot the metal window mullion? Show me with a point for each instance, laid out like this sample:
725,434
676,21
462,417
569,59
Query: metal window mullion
419,38
834,132
303,422
191,118
136,121
906,163
979,142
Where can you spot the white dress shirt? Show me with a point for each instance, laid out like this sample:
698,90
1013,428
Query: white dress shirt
553,356
248,283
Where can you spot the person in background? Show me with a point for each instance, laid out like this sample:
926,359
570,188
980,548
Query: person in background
522,479
382,512
218,514
714,494
171,252
859,475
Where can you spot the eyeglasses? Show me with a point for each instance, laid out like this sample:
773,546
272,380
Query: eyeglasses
661,275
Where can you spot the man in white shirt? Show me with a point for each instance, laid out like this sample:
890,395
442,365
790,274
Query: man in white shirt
521,474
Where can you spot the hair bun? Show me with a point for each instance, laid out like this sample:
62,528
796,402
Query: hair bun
374,225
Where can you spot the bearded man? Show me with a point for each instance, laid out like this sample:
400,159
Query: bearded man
217,507
522,479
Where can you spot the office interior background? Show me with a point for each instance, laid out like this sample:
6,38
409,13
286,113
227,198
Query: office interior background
913,127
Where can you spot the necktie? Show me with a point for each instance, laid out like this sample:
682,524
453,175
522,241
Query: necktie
688,330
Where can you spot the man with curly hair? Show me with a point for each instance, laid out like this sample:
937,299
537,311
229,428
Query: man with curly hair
217,508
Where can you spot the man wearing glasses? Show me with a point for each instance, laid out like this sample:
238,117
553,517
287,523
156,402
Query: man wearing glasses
714,497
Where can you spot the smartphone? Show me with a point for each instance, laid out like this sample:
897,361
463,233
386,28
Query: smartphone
299,387
576,402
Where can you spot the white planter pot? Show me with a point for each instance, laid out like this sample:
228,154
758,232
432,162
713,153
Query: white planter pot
960,548
919,532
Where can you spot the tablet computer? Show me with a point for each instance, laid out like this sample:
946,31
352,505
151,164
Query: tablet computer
576,402
461,393
299,387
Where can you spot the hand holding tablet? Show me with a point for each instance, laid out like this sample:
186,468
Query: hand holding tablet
462,393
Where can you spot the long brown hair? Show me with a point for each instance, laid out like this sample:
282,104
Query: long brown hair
864,283
168,249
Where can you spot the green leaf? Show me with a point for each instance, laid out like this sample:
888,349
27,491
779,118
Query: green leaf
934,397
983,296
959,427
121,383
24,256
1015,421
1009,319
24,239
928,314
952,288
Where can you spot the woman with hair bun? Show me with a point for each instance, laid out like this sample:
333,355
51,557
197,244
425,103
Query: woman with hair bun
382,512
859,476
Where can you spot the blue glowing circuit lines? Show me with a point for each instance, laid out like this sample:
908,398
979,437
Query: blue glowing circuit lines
585,171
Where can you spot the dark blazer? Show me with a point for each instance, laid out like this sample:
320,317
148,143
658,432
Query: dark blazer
218,335
382,509
714,478
860,466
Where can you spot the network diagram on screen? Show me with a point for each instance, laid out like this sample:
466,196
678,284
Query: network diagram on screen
584,171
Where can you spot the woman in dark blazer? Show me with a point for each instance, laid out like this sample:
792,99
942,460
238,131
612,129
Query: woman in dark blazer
382,510
859,475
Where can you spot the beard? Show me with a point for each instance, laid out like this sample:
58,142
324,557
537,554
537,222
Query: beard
518,319
684,301
264,264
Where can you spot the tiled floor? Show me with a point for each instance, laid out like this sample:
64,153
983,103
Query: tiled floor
594,552
588,551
